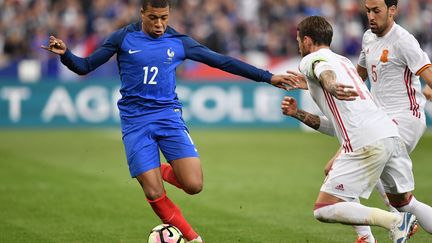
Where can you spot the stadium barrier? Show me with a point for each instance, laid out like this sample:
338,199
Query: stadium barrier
93,104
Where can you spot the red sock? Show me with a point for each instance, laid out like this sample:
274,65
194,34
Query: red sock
169,213
169,176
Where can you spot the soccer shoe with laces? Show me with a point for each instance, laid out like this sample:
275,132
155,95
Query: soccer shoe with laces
196,240
401,232
364,239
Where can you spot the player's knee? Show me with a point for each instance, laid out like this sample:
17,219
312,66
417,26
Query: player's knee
400,200
322,214
193,187
153,194
318,215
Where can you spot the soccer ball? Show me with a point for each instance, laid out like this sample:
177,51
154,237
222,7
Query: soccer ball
166,233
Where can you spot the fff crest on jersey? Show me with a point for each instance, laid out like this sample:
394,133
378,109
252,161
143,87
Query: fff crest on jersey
170,54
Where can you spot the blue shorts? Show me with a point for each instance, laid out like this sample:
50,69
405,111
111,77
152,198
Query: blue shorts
143,141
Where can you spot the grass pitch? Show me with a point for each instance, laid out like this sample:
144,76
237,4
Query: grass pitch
260,187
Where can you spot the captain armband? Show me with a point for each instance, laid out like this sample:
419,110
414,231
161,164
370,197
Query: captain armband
321,66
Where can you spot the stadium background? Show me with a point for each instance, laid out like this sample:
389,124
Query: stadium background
63,175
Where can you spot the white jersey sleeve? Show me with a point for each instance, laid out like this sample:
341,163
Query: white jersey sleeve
326,127
412,55
362,57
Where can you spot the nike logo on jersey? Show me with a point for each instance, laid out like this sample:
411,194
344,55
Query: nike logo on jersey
133,52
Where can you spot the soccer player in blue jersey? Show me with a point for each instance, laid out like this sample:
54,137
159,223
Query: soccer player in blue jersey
148,53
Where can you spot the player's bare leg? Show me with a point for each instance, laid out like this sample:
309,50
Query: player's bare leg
168,212
188,173
151,183
380,188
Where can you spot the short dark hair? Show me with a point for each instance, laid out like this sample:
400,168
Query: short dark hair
317,28
390,3
155,4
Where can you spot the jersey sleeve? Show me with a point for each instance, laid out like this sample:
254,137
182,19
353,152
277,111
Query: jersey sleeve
326,127
362,57
412,55
307,66
83,66
200,53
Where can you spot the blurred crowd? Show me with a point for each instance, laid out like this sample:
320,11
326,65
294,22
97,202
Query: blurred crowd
234,27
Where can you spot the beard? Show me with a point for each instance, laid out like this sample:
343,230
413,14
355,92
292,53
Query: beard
380,29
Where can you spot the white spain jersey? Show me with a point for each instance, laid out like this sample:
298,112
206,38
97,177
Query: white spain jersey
356,123
394,62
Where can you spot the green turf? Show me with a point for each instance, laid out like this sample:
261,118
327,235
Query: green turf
260,186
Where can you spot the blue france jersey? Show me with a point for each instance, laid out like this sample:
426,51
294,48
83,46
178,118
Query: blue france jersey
147,67
148,72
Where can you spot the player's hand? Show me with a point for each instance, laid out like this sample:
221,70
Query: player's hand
289,106
286,81
343,92
55,45
300,78
427,91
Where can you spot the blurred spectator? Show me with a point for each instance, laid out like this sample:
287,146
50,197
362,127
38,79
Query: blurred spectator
233,27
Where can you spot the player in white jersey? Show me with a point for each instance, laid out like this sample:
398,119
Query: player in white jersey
371,145
392,60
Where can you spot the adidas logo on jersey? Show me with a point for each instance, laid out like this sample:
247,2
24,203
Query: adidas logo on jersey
340,187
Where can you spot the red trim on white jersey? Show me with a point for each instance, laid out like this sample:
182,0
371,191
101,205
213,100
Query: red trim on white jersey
414,105
333,108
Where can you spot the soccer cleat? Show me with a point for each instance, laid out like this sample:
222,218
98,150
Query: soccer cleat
401,232
364,239
196,240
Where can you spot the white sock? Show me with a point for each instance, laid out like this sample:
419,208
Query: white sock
356,214
363,230
422,211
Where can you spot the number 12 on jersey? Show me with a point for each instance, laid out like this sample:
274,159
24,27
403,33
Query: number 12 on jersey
153,73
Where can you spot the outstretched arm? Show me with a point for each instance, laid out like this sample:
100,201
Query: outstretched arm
77,64
319,123
200,53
